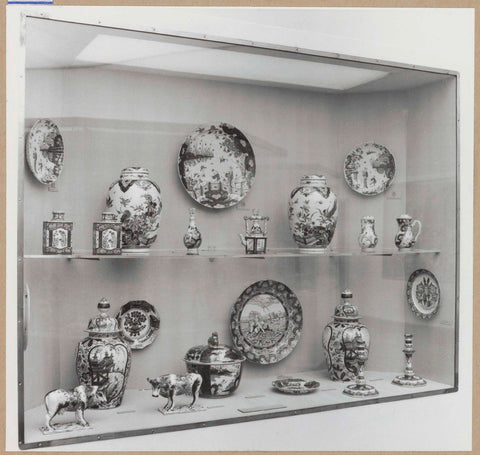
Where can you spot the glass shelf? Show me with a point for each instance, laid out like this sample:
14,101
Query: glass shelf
236,253
255,398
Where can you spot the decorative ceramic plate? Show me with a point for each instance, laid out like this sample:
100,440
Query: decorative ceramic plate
369,169
45,151
423,293
216,165
139,323
266,322
295,386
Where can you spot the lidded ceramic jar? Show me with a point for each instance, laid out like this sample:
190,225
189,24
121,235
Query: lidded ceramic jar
339,339
136,201
313,213
107,235
219,365
103,358
57,234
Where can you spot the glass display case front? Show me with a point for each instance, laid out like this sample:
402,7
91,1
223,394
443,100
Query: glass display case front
272,227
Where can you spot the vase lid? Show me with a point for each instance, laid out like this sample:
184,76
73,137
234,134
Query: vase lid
346,310
102,323
213,353
109,216
134,172
58,215
314,179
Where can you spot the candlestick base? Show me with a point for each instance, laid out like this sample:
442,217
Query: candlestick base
363,390
409,381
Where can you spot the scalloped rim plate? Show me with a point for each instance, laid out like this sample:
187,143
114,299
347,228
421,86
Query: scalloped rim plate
139,323
272,324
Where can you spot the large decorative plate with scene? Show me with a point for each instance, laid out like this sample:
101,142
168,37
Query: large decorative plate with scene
139,323
423,293
266,322
45,151
369,169
216,165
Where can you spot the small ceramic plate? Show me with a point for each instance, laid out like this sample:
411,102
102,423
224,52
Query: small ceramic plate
44,151
423,293
216,165
266,322
295,386
139,323
369,169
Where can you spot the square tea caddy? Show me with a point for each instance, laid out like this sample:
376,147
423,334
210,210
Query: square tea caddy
57,235
107,235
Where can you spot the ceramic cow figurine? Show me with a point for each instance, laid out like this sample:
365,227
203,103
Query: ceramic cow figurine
77,400
170,385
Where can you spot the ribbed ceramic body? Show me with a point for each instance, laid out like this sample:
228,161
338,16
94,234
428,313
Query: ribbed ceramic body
339,340
103,358
313,214
220,367
367,239
137,203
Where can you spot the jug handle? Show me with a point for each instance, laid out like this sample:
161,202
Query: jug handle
419,229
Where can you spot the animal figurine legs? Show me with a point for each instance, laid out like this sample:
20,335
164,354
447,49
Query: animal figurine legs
196,390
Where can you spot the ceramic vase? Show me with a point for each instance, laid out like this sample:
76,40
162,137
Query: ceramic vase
313,214
192,238
137,203
103,358
339,340
405,237
367,239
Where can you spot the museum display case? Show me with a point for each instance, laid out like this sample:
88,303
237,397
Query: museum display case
170,147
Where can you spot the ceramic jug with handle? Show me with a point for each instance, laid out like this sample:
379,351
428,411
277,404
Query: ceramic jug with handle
405,237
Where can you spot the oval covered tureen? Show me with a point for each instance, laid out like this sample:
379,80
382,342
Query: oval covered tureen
219,365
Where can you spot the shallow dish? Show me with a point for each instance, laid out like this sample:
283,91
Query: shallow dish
216,165
369,169
44,151
266,322
295,386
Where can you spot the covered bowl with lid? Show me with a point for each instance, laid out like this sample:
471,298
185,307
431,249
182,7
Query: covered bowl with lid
219,365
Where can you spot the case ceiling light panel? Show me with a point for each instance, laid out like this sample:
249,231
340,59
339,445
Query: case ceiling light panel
178,58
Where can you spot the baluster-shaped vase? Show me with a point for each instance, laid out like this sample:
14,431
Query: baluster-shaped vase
192,238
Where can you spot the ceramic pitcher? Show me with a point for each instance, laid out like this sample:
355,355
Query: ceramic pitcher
405,237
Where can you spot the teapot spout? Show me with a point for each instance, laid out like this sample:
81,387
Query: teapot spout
242,239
